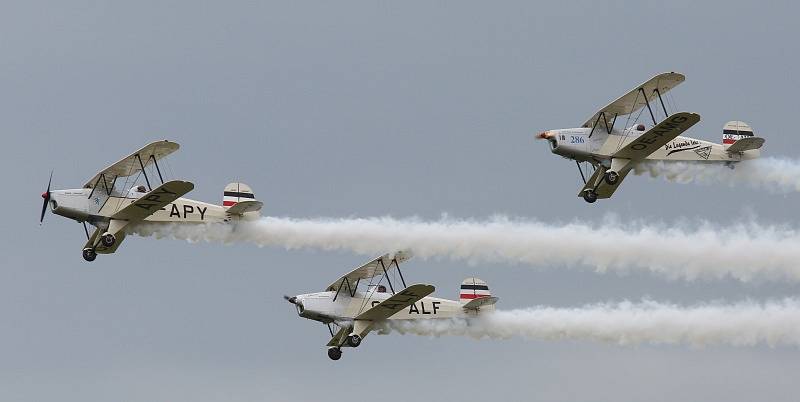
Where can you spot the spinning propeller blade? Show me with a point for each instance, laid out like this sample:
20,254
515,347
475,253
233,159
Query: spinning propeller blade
46,196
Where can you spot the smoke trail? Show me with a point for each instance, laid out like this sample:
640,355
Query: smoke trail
744,251
742,324
774,174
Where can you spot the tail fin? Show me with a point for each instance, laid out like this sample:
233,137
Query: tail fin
734,131
238,199
737,136
235,193
473,288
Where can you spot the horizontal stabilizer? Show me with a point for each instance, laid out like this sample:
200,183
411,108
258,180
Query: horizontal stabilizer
245,206
476,304
746,144
397,302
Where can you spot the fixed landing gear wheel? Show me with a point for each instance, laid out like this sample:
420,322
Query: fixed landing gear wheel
354,340
108,240
612,177
334,353
89,254
589,196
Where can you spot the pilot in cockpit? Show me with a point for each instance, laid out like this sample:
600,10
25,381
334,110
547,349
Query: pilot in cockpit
138,191
381,289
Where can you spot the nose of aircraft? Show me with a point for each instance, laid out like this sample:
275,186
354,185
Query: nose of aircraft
544,135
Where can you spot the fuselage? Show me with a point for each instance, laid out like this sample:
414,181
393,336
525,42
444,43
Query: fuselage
321,307
77,204
576,143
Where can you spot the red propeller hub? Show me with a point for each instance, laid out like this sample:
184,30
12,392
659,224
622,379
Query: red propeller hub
44,195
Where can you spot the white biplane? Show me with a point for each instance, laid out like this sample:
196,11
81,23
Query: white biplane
356,312
111,207
613,152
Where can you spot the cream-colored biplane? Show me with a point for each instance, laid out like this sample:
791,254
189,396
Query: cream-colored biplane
112,201
358,303
613,152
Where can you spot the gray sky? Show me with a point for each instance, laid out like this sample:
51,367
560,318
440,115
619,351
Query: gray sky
362,109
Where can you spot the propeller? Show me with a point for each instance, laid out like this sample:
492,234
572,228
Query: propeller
46,196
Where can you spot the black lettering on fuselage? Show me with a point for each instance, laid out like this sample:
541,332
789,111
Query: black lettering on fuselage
187,209
435,306
202,211
174,211
413,309
375,303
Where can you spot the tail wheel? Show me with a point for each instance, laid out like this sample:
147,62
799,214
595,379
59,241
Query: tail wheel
108,240
89,254
612,177
590,196
354,340
335,353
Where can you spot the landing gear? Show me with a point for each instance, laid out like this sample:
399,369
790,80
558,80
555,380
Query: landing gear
89,254
354,340
108,240
611,177
334,353
589,196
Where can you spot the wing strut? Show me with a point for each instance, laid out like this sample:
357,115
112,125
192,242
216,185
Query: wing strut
647,102
662,102
386,274
350,289
605,122
105,185
155,162
149,187
581,172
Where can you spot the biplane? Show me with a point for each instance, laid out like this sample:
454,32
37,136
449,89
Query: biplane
111,200
358,303
613,152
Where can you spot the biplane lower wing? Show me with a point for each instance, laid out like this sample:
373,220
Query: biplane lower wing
658,136
98,247
339,338
397,302
600,186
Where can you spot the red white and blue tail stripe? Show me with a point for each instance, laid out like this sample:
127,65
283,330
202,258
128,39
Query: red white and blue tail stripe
235,193
473,288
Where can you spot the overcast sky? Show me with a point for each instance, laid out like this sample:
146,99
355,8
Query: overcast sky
363,109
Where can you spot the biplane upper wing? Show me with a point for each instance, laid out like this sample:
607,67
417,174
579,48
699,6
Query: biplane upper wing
658,136
370,269
397,302
632,101
133,163
153,201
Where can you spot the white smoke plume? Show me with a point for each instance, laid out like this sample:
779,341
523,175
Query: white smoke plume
774,174
741,324
745,252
